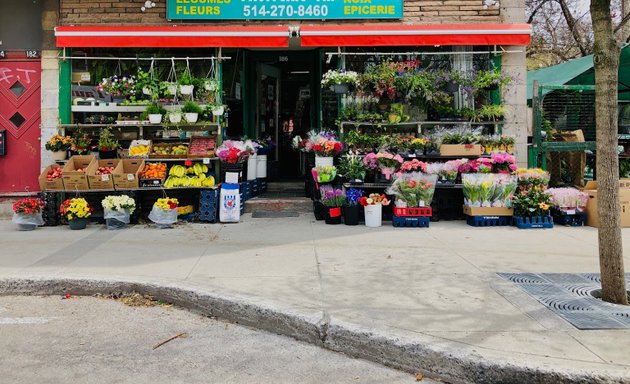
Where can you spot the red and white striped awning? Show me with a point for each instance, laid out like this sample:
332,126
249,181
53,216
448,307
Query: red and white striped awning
172,36
414,35
351,35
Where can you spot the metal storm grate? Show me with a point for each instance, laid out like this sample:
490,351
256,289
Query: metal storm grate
572,296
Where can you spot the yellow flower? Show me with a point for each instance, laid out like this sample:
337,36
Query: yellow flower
543,206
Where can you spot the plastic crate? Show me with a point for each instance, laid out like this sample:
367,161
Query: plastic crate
411,221
416,211
208,205
262,186
489,221
244,191
533,222
574,220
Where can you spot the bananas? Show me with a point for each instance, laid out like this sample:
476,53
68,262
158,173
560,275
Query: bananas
179,176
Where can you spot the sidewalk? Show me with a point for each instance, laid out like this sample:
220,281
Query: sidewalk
424,299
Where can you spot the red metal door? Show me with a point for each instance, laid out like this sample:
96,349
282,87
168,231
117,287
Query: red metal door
20,115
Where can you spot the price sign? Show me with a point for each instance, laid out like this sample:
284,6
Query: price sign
32,54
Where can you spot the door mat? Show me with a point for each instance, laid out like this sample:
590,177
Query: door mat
570,296
274,214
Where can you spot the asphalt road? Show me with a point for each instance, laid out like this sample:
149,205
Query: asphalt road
96,340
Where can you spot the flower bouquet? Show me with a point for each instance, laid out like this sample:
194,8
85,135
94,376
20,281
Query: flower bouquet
413,190
323,144
117,210
532,178
411,166
480,165
76,211
325,174
351,206
334,200
568,200
164,212
386,162
233,151
27,213
488,190
533,203
373,206
446,172
503,162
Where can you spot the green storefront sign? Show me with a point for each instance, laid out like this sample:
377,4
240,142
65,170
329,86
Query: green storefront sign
283,9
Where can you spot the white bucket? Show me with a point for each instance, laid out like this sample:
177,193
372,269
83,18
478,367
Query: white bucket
252,165
261,166
323,161
191,117
374,215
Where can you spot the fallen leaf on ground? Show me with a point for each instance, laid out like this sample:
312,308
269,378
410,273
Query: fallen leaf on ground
419,377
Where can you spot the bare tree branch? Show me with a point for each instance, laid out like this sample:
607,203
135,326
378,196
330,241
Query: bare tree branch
535,11
572,26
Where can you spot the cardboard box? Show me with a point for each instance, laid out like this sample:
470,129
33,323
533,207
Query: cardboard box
74,180
488,211
103,181
460,150
53,185
127,174
592,218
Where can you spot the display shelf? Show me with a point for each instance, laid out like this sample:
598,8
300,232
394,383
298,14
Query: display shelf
385,185
128,189
155,159
116,108
204,124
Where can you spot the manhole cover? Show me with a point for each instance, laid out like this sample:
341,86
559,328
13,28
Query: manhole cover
274,214
573,297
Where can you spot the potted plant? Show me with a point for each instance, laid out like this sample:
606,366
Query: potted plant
146,84
191,111
117,210
352,168
59,146
333,199
80,143
491,112
339,79
169,88
107,145
174,117
164,212
27,213
119,87
154,112
351,206
531,209
373,206
217,109
76,211
186,83
210,84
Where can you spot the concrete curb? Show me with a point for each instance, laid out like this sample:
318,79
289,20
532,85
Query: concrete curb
449,364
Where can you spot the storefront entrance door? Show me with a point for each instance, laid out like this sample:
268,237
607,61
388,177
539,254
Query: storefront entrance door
268,102
20,116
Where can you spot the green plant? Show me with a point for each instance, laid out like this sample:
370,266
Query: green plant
191,107
459,138
153,109
339,76
352,168
106,141
186,79
531,203
485,79
145,82
492,112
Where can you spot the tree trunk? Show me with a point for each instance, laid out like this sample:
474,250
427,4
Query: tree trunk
625,29
606,62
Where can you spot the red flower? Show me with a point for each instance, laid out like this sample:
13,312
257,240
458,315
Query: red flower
363,201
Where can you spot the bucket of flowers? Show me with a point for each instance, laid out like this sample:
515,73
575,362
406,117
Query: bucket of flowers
164,212
117,210
76,211
59,146
386,162
373,207
27,213
351,206
324,145
333,199
569,205
413,195
233,155
325,174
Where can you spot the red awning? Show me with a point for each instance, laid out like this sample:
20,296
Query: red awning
418,35
172,36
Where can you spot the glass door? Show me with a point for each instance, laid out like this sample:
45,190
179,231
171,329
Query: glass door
268,102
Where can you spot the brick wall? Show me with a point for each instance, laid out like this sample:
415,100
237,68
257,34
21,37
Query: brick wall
125,12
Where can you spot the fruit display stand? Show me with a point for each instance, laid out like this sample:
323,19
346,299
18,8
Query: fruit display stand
102,177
